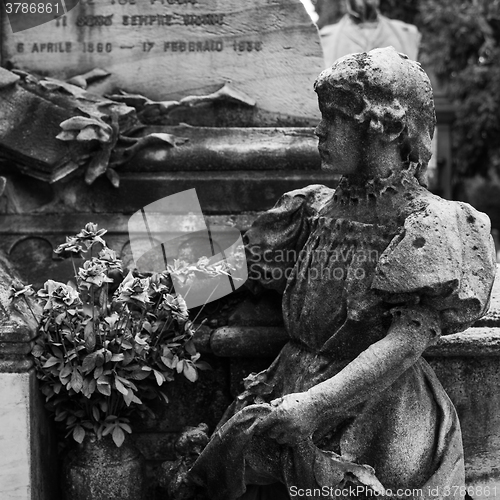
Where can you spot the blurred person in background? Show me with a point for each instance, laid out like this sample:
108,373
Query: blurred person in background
362,28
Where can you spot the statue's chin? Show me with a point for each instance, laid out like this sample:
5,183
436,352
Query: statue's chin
329,167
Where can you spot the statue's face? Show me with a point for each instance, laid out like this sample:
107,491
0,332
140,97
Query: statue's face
339,144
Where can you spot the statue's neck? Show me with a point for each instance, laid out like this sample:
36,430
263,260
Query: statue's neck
376,199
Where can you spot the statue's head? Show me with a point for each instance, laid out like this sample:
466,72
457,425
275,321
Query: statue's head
387,95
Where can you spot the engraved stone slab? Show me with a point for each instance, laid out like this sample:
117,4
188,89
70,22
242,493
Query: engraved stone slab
168,49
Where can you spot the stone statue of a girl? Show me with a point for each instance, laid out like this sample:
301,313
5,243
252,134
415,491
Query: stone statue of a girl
372,273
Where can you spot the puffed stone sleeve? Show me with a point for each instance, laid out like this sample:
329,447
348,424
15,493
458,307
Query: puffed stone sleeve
445,260
274,241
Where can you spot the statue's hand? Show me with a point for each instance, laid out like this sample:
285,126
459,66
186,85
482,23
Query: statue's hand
292,420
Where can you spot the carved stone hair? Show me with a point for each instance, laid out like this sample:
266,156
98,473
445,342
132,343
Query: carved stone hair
389,93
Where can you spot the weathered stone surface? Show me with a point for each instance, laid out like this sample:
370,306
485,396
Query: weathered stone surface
15,462
202,338
262,311
191,403
484,194
264,341
492,316
58,225
99,470
188,447
156,446
219,192
26,433
28,462
28,128
17,326
268,50
32,113
472,384
212,148
242,367
247,341
474,342
7,78
29,240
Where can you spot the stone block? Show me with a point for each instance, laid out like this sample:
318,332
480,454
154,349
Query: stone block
171,49
156,446
472,384
28,462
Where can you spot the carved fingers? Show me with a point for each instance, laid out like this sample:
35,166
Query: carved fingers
292,419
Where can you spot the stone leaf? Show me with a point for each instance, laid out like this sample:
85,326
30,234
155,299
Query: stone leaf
87,78
225,93
329,466
7,78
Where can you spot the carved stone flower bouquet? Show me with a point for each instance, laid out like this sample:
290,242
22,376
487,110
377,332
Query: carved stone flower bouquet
107,344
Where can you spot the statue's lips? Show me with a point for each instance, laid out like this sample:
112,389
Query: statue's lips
323,151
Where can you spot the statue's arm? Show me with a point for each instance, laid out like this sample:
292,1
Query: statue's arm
297,416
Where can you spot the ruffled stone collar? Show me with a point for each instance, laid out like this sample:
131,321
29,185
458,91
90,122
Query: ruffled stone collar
398,182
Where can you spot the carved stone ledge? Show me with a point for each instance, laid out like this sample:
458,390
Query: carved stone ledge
248,341
474,342
266,342
9,349
16,329
210,148
56,226
15,364
14,357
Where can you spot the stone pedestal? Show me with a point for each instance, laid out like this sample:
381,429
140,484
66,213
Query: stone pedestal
28,461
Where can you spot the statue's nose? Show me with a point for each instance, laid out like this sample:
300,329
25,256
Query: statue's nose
320,130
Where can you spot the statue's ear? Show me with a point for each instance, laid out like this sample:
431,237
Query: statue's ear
387,120
387,128
392,129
